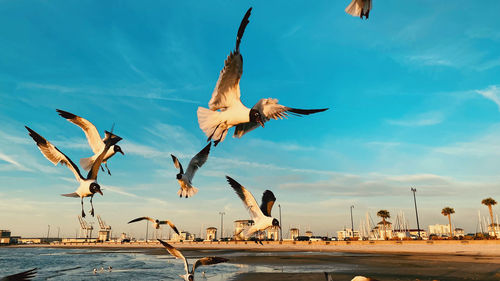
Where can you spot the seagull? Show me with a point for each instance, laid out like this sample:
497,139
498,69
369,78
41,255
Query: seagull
225,107
329,277
261,216
157,223
95,141
88,186
189,276
23,276
359,8
184,179
94,271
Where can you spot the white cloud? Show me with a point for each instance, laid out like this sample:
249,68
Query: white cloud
492,93
13,162
423,119
429,60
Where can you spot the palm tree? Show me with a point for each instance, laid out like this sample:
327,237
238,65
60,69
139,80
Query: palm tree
384,214
447,211
490,202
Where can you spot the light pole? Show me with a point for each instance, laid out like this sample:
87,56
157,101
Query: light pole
147,227
221,225
416,212
281,224
352,222
48,231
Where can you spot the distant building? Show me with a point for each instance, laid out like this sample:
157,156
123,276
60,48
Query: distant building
439,230
459,232
494,229
347,233
183,236
384,231
5,237
273,233
294,233
211,234
37,240
309,233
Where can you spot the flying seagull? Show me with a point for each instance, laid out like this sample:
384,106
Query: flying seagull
23,276
261,216
225,107
88,186
94,139
157,223
184,179
189,276
359,8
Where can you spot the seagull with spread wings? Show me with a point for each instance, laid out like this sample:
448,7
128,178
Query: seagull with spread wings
88,186
359,8
225,107
23,276
157,223
189,276
94,139
261,216
184,179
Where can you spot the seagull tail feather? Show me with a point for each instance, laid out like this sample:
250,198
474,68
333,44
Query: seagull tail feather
86,163
192,191
210,123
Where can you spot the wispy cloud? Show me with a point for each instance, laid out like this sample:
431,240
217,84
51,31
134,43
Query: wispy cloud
492,93
429,60
13,162
423,119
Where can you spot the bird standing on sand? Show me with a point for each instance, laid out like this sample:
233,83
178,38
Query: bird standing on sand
88,186
23,276
94,139
359,8
157,223
189,276
184,179
329,277
225,107
261,216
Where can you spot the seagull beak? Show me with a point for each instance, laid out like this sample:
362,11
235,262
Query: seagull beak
100,192
261,122
122,152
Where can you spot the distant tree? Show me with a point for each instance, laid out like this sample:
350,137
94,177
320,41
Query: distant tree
490,202
384,214
447,211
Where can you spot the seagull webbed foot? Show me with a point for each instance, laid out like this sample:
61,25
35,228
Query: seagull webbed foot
83,214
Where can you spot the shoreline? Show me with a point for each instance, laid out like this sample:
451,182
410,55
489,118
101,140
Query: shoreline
454,247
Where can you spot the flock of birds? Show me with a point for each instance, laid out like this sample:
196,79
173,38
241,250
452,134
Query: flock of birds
225,111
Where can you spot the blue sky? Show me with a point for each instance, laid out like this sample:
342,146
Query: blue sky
413,92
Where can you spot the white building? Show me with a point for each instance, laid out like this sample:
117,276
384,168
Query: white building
183,236
294,233
273,233
439,230
494,228
239,225
211,234
382,231
347,233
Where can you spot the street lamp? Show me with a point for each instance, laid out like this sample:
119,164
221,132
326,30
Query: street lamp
281,224
352,222
48,231
416,212
221,224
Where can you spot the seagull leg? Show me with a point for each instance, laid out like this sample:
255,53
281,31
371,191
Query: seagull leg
210,137
83,213
106,165
92,210
102,169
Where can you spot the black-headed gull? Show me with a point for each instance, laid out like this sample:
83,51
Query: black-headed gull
157,223
184,179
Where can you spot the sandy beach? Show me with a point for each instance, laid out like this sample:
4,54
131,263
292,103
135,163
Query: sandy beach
383,260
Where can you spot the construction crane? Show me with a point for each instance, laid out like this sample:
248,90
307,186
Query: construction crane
85,229
105,231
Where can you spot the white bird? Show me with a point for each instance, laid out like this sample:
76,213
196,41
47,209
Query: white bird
94,140
189,276
261,216
359,8
225,107
184,179
329,277
23,276
88,186
157,223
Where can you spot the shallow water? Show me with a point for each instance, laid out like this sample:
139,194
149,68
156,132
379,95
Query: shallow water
78,264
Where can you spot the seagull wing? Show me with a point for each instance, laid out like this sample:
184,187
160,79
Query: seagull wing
177,164
198,161
271,109
268,200
176,253
142,218
247,198
109,140
88,128
53,154
227,89
171,225
354,8
208,261
23,276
